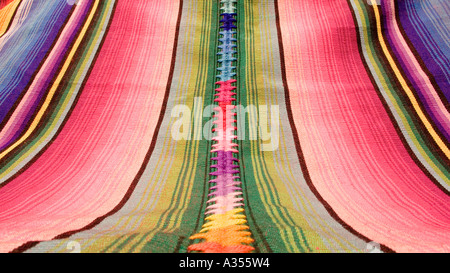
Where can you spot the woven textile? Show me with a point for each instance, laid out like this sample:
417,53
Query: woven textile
224,126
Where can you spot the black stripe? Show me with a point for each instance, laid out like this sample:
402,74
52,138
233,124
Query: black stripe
33,77
12,19
399,91
431,144
58,94
31,244
179,243
414,92
207,170
149,152
300,155
242,168
419,58
49,111
152,145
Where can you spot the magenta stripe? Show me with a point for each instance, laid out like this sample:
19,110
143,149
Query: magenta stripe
36,92
421,83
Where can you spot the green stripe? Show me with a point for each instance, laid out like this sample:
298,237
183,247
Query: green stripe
75,71
188,226
106,249
260,222
397,98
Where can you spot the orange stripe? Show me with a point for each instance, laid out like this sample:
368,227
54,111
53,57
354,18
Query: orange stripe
7,15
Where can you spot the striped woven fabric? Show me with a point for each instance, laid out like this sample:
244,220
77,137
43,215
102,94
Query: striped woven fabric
224,126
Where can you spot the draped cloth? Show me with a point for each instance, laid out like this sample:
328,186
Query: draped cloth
257,126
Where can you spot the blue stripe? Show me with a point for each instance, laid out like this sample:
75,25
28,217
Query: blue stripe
26,49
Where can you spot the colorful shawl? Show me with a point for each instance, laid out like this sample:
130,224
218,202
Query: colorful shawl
224,126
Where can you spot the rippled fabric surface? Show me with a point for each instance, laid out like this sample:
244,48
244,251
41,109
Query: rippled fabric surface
224,126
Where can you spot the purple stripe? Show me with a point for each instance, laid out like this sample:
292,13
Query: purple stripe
25,65
416,35
226,171
49,73
410,71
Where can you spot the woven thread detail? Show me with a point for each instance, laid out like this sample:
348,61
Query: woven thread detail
225,229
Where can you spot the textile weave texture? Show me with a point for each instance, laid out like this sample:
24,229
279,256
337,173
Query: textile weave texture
237,126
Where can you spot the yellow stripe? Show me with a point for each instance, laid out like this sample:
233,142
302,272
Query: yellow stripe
405,86
57,116
6,15
382,78
55,85
274,167
154,221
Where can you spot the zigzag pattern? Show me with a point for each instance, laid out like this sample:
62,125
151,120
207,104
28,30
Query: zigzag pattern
225,228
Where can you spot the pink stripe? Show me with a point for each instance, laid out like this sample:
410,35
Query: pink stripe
89,167
429,93
22,110
356,160
4,3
